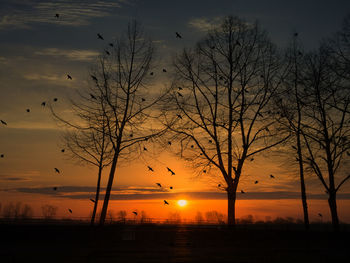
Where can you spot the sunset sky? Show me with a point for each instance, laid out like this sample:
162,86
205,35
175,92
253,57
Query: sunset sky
38,50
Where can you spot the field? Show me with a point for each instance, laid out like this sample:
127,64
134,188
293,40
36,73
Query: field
171,243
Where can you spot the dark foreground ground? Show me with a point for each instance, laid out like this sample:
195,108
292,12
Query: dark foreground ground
164,243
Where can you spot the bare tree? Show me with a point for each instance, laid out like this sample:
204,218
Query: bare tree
49,211
123,77
220,105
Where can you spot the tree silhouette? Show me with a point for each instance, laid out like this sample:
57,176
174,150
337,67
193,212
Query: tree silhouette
223,115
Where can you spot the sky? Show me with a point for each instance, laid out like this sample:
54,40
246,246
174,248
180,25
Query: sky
38,50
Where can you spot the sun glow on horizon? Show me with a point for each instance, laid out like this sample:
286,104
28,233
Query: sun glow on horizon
182,203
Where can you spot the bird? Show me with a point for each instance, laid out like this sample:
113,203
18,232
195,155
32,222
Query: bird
28,110
271,176
135,213
150,168
131,135
57,15
169,170
169,142
62,150
143,99
107,52
252,159
256,182
179,116
180,95
295,34
2,155
3,122
159,184
99,36
204,171
55,99
165,202
54,188
57,171
69,77
320,215
92,96
164,70
210,141
144,148
192,146
179,88
242,192
43,103
111,44
171,187
70,210
178,35
93,77
219,185
151,73
92,200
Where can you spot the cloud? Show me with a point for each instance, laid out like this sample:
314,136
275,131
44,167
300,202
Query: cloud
147,193
204,24
71,54
21,14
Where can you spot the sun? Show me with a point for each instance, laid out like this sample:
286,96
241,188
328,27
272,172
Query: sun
182,203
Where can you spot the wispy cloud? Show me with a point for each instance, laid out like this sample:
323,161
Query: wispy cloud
204,24
22,14
71,54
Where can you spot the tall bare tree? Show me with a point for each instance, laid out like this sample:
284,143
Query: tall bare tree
220,105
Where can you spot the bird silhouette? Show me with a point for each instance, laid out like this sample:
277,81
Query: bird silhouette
93,77
3,122
210,141
180,88
296,34
242,192
252,159
55,99
151,73
43,104
169,142
131,135
135,213
111,44
178,35
271,176
57,171
92,200
164,70
92,96
2,155
320,215
54,188
171,187
180,95
62,150
256,182
150,168
99,36
57,15
28,110
192,146
219,185
143,99
165,202
107,52
159,184
69,77
204,171
169,170
144,148
70,210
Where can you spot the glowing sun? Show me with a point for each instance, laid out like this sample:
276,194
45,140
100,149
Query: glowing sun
182,203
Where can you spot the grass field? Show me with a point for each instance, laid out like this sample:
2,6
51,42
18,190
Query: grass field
171,243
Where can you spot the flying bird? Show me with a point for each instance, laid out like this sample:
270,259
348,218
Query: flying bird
171,187
55,99
144,148
165,202
70,210
111,44
28,110
178,35
57,171
143,99
295,34
3,122
54,188
2,156
192,146
62,150
107,52
252,159
69,77
43,103
271,176
150,168
151,73
135,213
164,70
219,185
92,200
204,171
180,88
169,170
57,15
210,141
256,182
320,215
99,36
159,184
169,142
242,192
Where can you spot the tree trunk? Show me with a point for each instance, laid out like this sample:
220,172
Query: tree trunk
97,196
231,208
108,190
303,189
333,207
